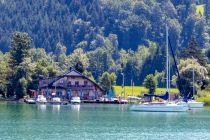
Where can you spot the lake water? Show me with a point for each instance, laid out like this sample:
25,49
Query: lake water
99,122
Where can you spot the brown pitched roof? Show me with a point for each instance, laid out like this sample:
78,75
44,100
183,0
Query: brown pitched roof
74,72
71,72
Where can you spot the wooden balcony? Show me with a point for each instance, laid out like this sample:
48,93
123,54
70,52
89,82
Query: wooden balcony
75,87
80,87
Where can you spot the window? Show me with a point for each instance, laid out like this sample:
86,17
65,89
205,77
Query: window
76,83
69,84
85,83
61,81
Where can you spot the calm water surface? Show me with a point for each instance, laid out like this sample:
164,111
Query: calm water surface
99,122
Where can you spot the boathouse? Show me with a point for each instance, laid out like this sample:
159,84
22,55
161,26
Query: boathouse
70,84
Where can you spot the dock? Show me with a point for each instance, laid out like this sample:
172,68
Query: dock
103,102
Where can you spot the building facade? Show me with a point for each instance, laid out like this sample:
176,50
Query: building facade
70,84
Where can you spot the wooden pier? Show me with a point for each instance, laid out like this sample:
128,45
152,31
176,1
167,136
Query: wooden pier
103,102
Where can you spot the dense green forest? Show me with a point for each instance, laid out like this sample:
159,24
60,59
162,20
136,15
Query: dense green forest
114,36
72,22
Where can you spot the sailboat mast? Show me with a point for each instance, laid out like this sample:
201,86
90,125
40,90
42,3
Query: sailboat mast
169,76
193,81
167,61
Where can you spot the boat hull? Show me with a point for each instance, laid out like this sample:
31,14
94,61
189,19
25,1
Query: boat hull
195,104
55,103
31,102
40,102
159,108
75,102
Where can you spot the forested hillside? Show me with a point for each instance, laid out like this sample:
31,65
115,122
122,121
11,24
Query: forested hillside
105,35
73,21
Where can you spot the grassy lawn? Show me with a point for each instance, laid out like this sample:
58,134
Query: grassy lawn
138,91
204,96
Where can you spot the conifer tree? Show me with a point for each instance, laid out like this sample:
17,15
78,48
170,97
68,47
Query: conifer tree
193,51
18,54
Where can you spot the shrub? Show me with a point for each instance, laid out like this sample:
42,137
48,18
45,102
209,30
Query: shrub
206,100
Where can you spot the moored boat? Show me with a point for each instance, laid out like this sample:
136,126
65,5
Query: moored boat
123,101
75,100
191,101
162,106
165,106
31,101
195,104
56,100
159,107
41,99
192,104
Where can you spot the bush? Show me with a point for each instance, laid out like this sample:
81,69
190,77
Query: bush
206,100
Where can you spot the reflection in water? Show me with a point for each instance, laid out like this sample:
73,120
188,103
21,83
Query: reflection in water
123,107
91,121
75,107
42,107
195,110
56,107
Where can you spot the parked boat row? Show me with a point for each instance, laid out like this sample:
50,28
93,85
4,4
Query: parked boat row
56,100
75,100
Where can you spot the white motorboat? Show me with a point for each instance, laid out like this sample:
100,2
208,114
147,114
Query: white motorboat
103,99
134,98
41,99
75,100
56,100
192,104
160,107
114,99
195,104
31,101
123,101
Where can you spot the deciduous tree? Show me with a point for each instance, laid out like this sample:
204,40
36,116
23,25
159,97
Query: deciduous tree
150,83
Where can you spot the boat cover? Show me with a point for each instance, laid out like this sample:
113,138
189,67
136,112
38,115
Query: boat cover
162,96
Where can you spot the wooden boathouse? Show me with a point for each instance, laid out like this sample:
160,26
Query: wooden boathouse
70,84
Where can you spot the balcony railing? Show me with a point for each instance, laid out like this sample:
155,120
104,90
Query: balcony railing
80,87
74,86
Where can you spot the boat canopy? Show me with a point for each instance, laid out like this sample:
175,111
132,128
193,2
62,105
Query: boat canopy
162,96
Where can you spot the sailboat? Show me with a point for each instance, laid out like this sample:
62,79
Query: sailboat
165,106
191,102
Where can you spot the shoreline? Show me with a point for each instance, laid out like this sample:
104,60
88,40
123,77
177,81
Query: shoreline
21,101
